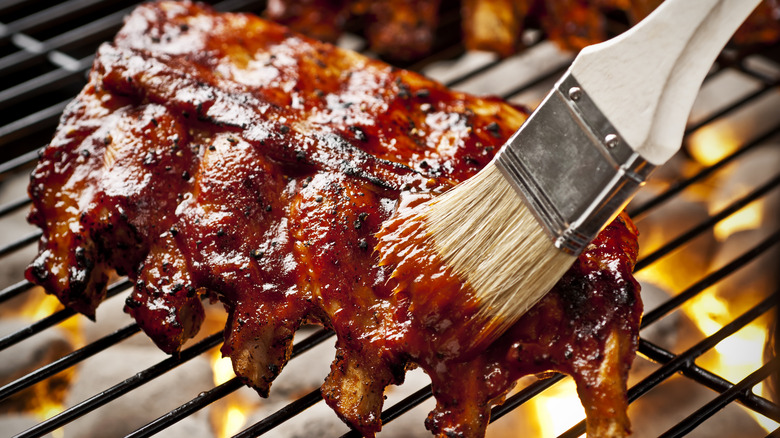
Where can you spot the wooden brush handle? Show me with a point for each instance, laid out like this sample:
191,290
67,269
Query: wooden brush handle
646,79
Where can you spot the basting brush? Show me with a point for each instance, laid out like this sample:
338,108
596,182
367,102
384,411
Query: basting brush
512,231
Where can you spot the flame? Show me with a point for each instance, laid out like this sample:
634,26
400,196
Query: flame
712,143
234,419
230,416
746,218
557,409
222,367
40,305
47,409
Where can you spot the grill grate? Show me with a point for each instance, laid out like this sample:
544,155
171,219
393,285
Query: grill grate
45,52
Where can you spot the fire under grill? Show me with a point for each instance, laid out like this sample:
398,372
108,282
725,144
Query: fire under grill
708,262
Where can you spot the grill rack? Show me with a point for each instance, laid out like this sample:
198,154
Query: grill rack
58,64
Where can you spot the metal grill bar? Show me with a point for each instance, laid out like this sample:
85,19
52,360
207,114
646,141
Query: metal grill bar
24,241
220,391
711,279
48,17
722,400
709,223
700,375
67,361
122,388
44,83
53,319
282,415
44,119
95,31
14,206
15,290
738,104
677,188
17,162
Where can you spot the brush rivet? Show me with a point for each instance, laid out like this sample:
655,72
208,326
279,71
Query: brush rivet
575,93
611,140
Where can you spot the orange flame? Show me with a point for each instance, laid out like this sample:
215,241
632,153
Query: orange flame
557,409
232,414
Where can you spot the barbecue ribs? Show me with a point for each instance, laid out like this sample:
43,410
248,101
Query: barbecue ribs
223,156
492,25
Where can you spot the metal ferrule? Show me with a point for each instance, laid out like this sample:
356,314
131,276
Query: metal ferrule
572,167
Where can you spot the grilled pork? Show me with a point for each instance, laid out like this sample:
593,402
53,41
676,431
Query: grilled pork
491,25
222,156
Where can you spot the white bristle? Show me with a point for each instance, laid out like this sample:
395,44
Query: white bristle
487,235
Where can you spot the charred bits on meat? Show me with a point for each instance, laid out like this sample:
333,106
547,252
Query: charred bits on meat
494,129
132,303
360,135
403,89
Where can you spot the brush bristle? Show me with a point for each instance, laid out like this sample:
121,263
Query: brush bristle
484,231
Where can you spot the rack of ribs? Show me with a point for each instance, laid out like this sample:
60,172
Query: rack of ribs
406,29
224,157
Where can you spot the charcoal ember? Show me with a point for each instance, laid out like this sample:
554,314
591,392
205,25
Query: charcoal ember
143,404
25,357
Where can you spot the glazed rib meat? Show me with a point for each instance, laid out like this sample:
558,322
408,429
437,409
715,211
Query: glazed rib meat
396,29
223,156
491,25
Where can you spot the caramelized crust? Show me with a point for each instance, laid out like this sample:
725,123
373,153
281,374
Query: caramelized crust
220,155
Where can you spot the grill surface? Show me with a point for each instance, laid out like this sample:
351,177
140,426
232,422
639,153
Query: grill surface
46,48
